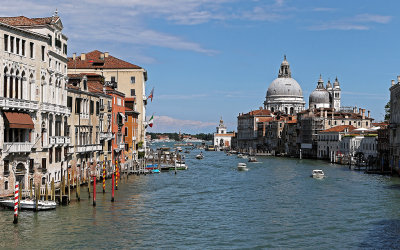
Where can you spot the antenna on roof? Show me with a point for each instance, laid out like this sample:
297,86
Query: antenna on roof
56,12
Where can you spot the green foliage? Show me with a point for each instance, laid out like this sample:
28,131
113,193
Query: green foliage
387,111
141,155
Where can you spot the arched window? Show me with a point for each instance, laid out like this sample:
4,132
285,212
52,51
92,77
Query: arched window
11,84
5,82
17,85
43,180
23,80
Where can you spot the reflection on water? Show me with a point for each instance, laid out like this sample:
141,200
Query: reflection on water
212,205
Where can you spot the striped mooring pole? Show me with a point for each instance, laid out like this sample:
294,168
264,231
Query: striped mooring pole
16,196
104,177
116,175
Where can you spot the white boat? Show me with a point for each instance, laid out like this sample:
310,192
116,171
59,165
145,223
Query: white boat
240,156
242,166
318,174
30,204
179,165
252,159
199,156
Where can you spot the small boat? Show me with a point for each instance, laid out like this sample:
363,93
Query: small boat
155,171
30,204
318,174
152,166
179,165
200,156
242,166
240,156
179,149
252,159
244,157
187,152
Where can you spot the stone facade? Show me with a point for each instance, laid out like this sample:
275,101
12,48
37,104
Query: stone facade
33,76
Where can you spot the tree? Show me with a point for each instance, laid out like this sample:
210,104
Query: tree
387,111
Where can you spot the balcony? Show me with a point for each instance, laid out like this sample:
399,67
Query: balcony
10,103
105,136
18,147
109,108
101,107
58,109
121,146
84,116
59,139
52,140
67,139
88,148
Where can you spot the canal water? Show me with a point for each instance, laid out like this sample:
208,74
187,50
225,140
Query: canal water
212,205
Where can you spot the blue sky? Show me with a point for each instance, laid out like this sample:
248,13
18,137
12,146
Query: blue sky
213,58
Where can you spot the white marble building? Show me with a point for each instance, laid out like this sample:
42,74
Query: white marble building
284,93
222,139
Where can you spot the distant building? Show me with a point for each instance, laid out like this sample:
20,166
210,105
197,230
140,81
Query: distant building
284,94
222,139
329,141
394,125
328,97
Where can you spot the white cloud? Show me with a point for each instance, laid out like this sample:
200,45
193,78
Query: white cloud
166,123
358,22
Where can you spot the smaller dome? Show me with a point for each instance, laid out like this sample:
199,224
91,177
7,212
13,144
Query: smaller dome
320,95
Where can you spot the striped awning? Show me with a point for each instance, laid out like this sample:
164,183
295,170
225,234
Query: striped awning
19,120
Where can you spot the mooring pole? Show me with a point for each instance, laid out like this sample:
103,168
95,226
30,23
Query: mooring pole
104,177
94,190
112,187
16,196
116,175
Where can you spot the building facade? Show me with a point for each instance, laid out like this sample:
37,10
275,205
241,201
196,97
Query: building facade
222,139
33,103
123,76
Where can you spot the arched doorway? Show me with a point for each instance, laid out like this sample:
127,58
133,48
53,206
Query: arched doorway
221,143
20,175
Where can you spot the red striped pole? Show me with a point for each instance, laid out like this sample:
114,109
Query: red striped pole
116,175
112,187
104,177
16,202
94,190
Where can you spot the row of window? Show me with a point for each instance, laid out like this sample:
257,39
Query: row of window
18,46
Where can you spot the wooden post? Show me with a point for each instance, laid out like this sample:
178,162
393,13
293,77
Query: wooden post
53,191
112,188
104,177
89,185
16,201
62,187
78,189
94,190
37,195
30,190
46,193
69,186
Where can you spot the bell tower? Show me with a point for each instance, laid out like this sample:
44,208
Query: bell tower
336,95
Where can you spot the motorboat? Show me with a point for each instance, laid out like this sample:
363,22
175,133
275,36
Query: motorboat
244,156
200,156
252,159
318,174
30,204
187,152
155,171
242,166
179,165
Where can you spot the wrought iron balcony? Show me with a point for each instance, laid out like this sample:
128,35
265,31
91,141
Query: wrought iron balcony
11,103
18,147
106,136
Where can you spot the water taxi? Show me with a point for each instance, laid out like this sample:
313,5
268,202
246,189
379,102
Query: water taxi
318,174
242,166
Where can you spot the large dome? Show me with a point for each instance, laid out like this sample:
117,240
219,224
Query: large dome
284,87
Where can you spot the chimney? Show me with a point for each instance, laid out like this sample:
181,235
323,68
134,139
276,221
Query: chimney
106,54
83,56
359,110
369,112
393,83
102,56
74,57
398,79
363,113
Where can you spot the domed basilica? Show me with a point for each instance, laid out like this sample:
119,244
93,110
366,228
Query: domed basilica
284,93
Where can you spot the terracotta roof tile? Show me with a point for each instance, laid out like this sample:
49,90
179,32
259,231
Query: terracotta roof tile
340,128
93,61
25,21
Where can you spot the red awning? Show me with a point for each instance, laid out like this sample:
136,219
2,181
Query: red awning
19,120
